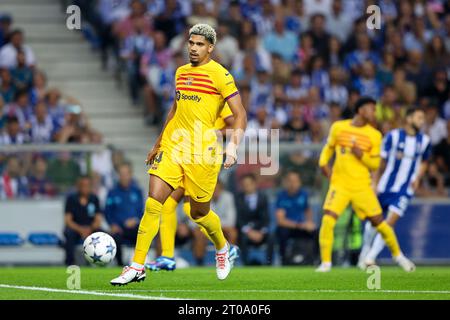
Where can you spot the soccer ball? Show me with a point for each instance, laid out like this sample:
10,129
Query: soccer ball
99,248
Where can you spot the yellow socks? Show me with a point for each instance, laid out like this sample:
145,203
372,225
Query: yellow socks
168,227
148,228
211,224
326,238
187,211
389,238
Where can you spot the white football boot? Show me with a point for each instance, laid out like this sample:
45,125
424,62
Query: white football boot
128,275
324,267
405,263
364,264
223,264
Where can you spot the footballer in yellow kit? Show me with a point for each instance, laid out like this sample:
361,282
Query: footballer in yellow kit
168,226
185,153
356,146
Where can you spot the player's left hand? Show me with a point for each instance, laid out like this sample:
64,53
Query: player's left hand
230,155
229,161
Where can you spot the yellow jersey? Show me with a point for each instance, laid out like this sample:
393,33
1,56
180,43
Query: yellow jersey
225,113
201,92
348,170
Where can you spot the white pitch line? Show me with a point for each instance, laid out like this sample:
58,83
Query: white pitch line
293,291
86,292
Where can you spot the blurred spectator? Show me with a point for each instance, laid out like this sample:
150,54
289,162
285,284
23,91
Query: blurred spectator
296,91
82,217
101,161
76,127
336,91
367,84
418,37
2,116
136,17
39,87
253,217
20,108
222,203
318,33
281,41
416,71
315,109
296,126
355,60
260,92
405,90
435,126
385,106
294,218
258,127
123,210
201,14
442,155
335,56
172,20
54,107
436,55
13,134
5,26
303,164
9,52
40,185
64,171
110,11
439,88
136,44
42,127
22,74
433,185
281,70
253,53
385,72
13,184
314,7
339,22
226,46
7,88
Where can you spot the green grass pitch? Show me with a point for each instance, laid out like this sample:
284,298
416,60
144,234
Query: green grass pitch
255,283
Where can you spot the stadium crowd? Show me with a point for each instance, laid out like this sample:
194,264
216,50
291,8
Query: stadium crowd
31,112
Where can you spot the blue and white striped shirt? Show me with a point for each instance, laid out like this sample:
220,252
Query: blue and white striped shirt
403,154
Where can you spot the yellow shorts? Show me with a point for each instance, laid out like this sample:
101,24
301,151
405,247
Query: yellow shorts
197,177
364,201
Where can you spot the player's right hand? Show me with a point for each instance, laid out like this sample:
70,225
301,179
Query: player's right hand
151,156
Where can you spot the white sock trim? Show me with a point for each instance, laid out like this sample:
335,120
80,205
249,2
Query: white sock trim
137,265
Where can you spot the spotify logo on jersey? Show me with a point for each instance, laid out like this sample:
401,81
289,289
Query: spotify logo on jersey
183,96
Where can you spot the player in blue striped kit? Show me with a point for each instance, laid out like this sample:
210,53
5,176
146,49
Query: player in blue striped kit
405,153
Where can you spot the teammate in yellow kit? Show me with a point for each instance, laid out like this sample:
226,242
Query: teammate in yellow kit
356,146
186,151
168,226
